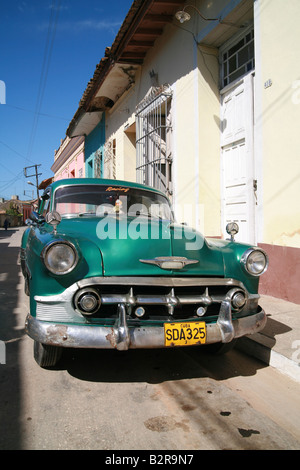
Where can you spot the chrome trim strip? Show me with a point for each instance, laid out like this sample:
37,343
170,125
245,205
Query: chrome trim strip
122,340
225,322
161,260
110,299
171,298
120,337
58,308
159,281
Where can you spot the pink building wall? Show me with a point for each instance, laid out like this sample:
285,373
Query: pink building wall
69,159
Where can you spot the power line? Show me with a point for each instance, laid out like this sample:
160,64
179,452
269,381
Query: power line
11,182
45,69
7,169
36,174
15,151
40,114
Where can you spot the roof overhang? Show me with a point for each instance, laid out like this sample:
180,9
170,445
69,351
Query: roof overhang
233,20
143,24
85,123
115,73
118,80
45,183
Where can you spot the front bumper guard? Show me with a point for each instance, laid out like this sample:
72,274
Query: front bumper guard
122,337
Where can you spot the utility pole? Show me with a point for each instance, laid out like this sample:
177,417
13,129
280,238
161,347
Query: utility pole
36,174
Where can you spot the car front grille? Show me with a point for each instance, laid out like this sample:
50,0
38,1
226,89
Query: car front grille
160,299
163,299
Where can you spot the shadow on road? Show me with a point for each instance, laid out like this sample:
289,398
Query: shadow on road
154,366
7,233
10,334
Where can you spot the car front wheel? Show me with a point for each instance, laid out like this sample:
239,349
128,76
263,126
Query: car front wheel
46,355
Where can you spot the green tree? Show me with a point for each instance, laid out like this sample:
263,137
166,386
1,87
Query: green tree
13,210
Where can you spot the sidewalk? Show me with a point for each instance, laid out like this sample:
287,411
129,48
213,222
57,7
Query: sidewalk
279,343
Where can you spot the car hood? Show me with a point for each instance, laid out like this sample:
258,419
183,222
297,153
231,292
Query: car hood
123,242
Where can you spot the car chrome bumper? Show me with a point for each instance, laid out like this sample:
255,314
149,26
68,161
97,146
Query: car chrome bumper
122,337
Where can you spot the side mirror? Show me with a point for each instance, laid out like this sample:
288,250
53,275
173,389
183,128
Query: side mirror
36,218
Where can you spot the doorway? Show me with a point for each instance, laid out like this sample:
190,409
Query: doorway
238,183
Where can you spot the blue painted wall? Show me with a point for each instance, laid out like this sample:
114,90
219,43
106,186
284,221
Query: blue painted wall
93,142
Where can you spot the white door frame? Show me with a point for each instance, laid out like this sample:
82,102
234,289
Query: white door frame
246,132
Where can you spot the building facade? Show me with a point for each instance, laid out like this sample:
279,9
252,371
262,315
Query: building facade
94,151
202,100
69,159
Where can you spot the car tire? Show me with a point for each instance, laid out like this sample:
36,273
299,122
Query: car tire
46,355
220,348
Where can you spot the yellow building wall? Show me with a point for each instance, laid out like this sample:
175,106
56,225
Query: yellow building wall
192,73
280,53
209,139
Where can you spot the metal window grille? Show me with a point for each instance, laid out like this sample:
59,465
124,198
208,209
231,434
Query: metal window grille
153,141
110,159
98,164
238,58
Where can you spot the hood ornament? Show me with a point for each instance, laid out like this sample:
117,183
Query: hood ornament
170,262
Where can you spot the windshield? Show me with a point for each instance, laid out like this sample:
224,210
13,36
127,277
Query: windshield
99,201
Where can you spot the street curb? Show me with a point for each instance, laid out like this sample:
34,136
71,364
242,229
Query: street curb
259,350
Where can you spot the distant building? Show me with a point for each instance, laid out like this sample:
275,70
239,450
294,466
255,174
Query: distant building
24,208
69,159
27,208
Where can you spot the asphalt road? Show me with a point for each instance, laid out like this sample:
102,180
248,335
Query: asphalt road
174,399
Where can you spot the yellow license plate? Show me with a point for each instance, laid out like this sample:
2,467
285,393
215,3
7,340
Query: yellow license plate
185,334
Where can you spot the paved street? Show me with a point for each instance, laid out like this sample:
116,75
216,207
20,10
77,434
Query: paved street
152,400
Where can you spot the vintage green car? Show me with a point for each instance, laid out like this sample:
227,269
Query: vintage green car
106,266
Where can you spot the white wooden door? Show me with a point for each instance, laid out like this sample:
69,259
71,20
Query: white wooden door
237,162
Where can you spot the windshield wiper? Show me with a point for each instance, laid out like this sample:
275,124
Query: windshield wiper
149,216
82,214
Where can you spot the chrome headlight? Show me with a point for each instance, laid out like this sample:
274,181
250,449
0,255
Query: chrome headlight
87,301
60,257
255,261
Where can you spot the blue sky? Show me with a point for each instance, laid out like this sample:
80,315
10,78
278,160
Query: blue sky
49,50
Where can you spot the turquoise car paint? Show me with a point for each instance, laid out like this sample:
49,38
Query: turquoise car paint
116,272
122,253
232,253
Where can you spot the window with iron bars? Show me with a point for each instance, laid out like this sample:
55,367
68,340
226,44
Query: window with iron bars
98,164
237,58
153,140
110,159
